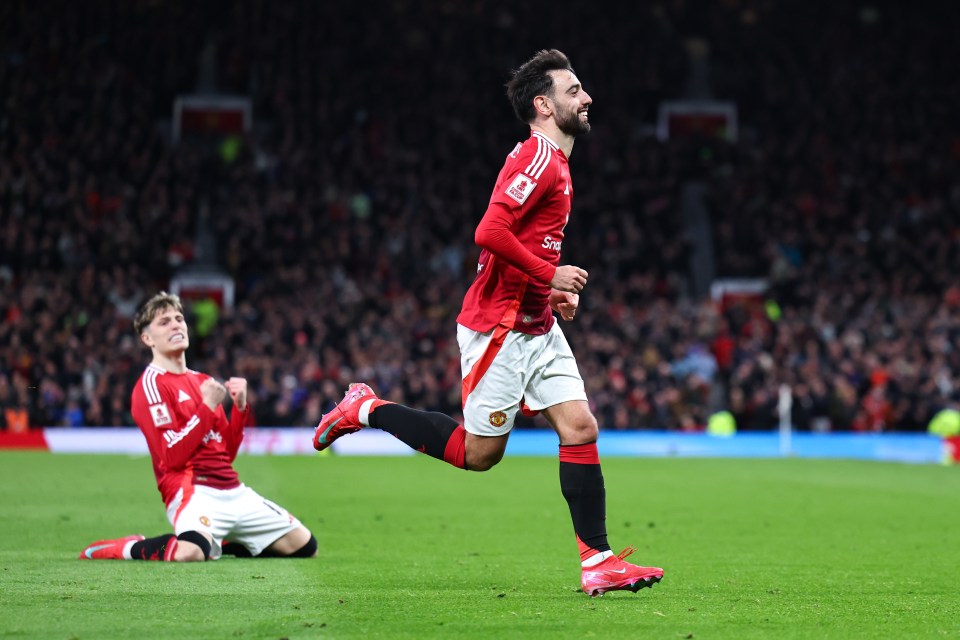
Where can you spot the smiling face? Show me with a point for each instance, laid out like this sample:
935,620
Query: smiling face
167,333
571,103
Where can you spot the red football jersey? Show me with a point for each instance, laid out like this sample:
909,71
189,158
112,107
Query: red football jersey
521,234
189,443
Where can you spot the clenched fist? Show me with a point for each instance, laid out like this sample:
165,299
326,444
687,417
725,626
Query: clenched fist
213,393
237,388
569,278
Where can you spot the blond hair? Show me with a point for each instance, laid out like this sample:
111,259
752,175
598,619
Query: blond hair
154,307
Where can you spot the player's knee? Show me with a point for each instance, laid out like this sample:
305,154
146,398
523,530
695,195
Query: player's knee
309,550
590,430
188,553
482,465
197,550
483,462
585,430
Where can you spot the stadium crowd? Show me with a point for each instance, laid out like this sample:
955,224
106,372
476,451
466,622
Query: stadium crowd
347,217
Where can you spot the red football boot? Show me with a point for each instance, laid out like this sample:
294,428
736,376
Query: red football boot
345,417
613,574
108,549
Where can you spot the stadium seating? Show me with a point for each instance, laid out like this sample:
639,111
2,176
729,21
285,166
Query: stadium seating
346,218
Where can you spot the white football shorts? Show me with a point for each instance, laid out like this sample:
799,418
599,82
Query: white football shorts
239,515
538,371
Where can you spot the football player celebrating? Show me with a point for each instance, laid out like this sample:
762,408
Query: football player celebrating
514,357
193,446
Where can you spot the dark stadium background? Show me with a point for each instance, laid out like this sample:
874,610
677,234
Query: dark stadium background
343,218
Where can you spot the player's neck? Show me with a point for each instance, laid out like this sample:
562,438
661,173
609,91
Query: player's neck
552,131
175,362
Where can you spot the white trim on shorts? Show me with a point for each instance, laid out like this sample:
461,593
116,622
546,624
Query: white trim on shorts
539,371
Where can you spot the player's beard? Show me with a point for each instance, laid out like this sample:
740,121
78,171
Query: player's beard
572,125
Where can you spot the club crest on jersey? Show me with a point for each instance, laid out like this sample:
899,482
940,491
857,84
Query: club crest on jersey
160,414
521,188
498,418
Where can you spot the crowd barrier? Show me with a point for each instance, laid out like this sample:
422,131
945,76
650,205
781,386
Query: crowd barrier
894,447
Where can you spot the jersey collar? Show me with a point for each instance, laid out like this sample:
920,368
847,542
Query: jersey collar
546,139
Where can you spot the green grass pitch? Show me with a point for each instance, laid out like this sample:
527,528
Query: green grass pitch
411,548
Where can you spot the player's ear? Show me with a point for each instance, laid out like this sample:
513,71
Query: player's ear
542,105
146,339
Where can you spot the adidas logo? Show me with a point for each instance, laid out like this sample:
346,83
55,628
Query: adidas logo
183,397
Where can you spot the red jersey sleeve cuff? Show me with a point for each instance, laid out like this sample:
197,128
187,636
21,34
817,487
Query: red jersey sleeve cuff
544,272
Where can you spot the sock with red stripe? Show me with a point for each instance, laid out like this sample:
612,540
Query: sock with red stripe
581,482
153,548
435,434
